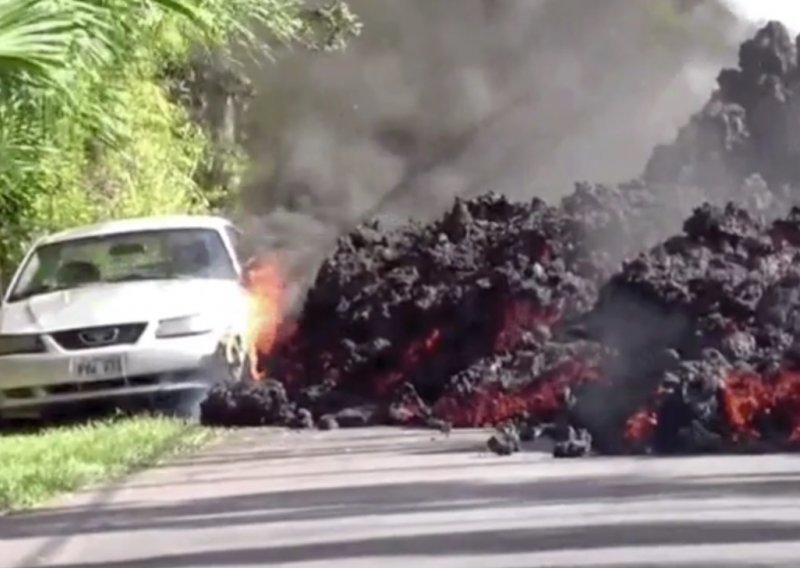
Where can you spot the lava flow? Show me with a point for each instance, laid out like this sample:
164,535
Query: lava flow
666,349
600,319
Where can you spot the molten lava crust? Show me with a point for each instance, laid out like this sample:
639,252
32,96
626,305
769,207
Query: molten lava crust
551,320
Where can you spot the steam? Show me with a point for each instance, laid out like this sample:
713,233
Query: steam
457,97
788,13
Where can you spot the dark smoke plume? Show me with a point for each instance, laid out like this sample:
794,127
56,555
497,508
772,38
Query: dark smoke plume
457,97
589,319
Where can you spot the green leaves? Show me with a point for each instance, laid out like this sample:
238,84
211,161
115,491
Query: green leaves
35,37
86,127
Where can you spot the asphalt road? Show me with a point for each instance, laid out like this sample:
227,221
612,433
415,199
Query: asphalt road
392,498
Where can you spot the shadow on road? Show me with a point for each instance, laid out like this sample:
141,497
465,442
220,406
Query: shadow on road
475,543
273,509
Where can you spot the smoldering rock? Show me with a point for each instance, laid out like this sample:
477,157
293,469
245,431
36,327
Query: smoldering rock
505,441
578,443
355,417
406,326
673,338
263,403
739,345
408,408
688,284
302,419
327,422
733,350
480,333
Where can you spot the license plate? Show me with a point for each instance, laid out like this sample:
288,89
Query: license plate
98,367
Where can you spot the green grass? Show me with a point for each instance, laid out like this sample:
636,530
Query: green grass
37,467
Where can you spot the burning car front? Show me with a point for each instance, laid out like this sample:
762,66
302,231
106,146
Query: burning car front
141,354
120,339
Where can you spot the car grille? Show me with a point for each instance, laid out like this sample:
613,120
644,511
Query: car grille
93,337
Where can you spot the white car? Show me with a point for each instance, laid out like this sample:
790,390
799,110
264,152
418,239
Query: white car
130,308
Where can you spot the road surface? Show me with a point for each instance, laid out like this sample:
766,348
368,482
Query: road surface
398,498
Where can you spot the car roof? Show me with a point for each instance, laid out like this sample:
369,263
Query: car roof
133,225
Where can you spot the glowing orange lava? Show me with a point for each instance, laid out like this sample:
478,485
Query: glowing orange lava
745,396
640,426
264,281
413,355
748,400
492,404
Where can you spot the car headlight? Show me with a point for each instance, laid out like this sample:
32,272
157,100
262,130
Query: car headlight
20,344
185,325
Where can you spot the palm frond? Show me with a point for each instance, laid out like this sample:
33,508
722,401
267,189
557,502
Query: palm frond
34,39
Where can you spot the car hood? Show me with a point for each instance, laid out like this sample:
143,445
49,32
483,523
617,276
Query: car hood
124,302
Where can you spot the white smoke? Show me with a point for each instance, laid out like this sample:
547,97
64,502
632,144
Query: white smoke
759,12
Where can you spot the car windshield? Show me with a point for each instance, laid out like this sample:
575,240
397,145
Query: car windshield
122,257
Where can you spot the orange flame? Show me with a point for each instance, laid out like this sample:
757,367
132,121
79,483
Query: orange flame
265,283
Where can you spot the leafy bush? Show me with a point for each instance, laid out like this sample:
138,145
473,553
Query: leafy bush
88,130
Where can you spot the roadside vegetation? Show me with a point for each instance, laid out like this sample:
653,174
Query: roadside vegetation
36,467
117,108
107,110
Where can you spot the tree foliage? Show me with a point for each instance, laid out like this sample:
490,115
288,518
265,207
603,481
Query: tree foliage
87,128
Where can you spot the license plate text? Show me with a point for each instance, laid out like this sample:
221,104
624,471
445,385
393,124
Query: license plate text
98,367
